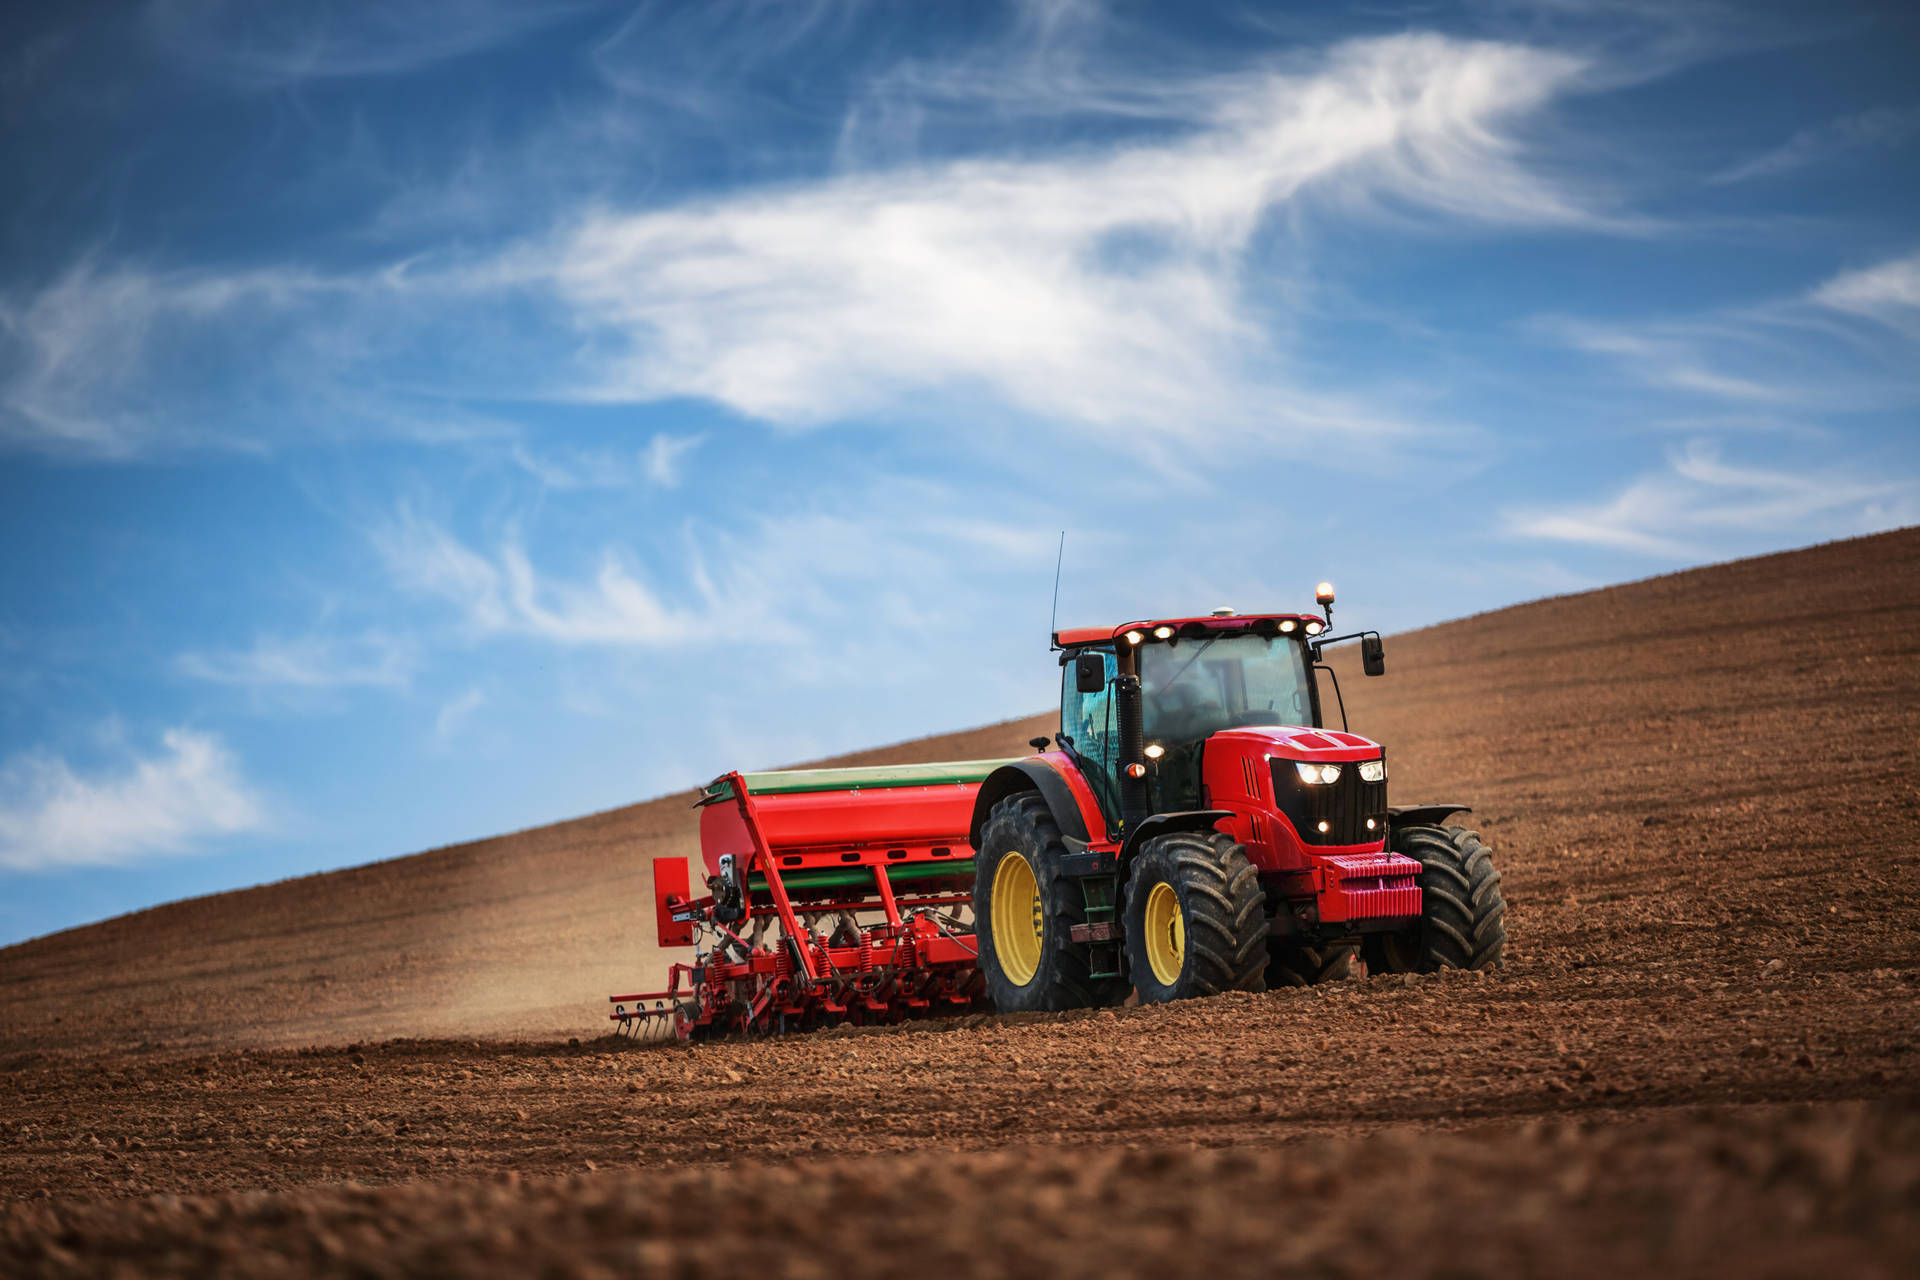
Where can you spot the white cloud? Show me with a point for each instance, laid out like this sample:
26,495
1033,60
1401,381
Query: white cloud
1884,127
455,714
1778,358
190,792
280,44
1099,289
574,469
426,559
665,456
762,579
697,60
503,593
78,364
660,463
1678,357
1888,292
1044,67
615,608
1691,509
373,659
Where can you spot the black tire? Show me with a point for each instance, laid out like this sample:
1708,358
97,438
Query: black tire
1063,980
1290,964
1462,912
1222,910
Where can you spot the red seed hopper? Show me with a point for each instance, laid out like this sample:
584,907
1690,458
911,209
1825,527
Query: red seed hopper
832,895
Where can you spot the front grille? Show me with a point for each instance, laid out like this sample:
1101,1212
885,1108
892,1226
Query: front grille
1344,805
1376,885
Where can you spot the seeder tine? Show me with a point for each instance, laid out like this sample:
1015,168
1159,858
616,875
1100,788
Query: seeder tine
641,1023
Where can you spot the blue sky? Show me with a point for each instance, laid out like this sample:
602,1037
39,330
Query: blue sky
424,421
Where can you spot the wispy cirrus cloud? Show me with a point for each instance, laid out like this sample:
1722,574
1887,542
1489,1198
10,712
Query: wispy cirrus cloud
666,456
454,715
1888,292
1093,288
189,792
768,579
78,358
1097,290
661,462
374,659
1883,128
1699,503
1790,357
1054,62
502,592
1678,356
268,46
700,60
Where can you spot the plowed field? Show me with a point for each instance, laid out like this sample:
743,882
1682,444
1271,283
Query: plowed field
1702,1057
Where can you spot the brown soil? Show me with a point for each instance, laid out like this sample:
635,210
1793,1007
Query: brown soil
1703,1056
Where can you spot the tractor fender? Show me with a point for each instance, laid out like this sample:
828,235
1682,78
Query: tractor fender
1038,773
1161,824
1422,815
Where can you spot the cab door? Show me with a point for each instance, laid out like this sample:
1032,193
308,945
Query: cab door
1088,719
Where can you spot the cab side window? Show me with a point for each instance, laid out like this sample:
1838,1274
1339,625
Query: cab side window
1088,718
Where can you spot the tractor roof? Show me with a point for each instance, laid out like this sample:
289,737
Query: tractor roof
1072,637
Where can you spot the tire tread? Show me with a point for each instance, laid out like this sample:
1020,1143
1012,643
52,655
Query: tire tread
1225,907
1022,821
1463,910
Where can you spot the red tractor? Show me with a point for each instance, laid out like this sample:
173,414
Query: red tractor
1198,827
1195,827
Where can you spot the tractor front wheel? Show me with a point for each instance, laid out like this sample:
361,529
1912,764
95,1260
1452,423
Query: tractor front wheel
1462,913
1024,911
1195,918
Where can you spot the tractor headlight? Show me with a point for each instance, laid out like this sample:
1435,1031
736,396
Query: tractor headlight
1317,774
1314,628
1373,771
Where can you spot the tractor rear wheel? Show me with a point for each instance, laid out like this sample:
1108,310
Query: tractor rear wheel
1289,964
1024,911
1462,912
1196,918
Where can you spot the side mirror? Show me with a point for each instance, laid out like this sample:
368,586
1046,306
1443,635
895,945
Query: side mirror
1089,673
1373,656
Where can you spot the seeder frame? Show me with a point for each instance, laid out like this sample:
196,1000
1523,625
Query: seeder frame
918,958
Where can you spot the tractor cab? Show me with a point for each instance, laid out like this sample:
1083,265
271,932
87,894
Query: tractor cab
1195,678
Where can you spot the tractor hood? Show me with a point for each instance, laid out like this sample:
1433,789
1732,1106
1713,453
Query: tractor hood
1295,742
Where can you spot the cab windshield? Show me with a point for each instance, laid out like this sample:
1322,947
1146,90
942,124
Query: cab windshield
1194,688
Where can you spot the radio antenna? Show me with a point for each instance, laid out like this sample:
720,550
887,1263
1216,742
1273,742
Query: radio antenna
1053,623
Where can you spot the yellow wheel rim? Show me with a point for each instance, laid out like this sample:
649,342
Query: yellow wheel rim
1018,922
1166,934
